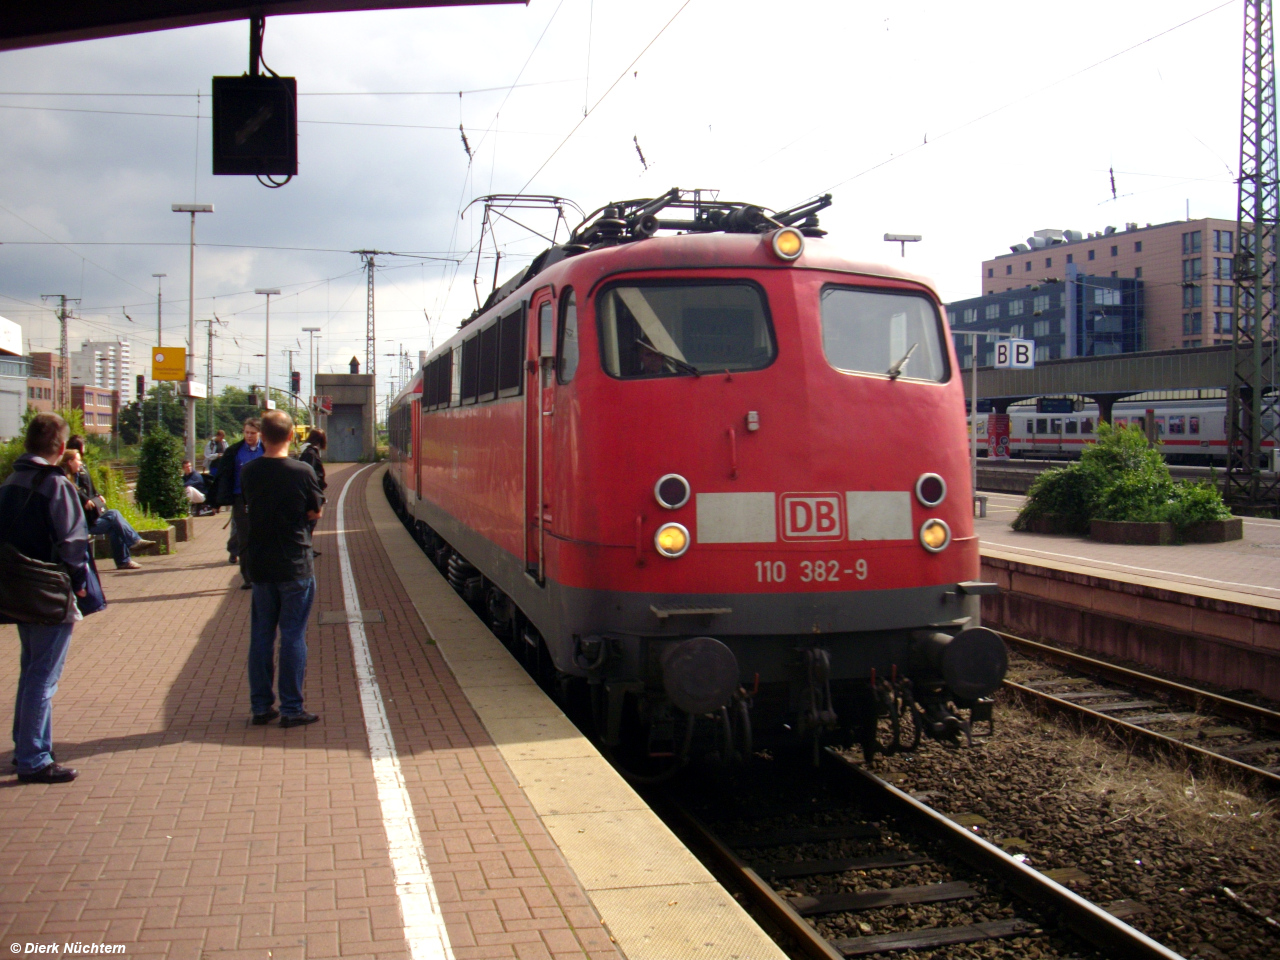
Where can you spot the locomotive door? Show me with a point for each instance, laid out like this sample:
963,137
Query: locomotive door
539,404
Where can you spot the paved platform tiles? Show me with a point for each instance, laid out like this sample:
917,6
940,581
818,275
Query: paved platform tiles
192,834
1246,570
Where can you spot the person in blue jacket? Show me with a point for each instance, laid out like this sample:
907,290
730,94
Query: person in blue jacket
40,515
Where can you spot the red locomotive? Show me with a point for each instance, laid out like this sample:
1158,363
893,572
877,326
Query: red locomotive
670,458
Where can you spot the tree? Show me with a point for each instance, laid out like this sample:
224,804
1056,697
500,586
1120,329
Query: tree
160,476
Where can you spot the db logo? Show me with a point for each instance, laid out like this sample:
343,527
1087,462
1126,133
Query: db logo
811,516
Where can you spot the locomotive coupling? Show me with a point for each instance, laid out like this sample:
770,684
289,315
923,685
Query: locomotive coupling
972,663
699,675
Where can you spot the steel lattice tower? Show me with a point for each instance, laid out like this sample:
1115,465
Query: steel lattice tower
370,335
1251,414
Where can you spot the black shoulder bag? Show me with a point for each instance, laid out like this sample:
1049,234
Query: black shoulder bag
33,591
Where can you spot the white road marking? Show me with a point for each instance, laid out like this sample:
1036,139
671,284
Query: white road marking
424,927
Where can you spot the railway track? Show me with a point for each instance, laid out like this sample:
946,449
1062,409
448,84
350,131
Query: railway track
1197,727
896,842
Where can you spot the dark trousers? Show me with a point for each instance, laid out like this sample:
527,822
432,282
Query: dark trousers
239,538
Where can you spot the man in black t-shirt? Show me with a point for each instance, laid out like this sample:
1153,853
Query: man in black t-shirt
280,496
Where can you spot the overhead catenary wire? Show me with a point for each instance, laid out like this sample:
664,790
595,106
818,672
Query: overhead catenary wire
1027,96
577,126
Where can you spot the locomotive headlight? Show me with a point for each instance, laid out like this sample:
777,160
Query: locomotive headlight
788,243
931,489
672,491
935,535
671,540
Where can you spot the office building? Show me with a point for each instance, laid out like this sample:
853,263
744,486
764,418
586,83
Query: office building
1078,316
1184,267
100,407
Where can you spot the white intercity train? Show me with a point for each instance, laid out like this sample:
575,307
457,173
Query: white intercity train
1190,431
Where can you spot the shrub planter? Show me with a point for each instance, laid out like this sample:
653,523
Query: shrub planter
163,539
1050,523
184,529
1122,531
1214,531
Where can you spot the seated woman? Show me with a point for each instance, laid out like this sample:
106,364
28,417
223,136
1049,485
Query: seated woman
193,486
101,520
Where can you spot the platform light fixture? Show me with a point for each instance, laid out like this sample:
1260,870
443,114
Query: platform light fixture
267,292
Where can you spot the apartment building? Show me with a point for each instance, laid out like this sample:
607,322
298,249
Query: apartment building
1184,266
104,363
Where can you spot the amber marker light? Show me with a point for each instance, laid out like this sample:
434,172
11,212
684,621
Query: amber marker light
935,535
788,243
671,540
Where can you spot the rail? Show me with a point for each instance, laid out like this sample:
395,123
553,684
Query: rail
1260,719
1082,917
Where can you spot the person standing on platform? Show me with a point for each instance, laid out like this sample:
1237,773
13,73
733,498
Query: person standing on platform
227,490
282,498
40,515
215,448
312,453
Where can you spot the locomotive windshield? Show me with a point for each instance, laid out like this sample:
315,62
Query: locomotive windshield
864,331
683,329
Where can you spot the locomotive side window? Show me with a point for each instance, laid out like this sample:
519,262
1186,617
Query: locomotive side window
470,369
511,353
681,329
864,331
567,357
455,381
488,381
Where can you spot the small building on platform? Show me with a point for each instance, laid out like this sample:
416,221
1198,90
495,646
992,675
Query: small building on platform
351,426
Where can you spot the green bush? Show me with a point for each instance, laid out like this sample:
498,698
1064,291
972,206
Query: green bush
159,489
1121,477
1066,494
1195,503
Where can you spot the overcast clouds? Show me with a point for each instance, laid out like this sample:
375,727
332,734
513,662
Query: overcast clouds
771,103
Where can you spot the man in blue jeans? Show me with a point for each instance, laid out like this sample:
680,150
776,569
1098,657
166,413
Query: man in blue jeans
280,496
40,515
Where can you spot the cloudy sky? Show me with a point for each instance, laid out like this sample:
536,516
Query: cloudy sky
970,124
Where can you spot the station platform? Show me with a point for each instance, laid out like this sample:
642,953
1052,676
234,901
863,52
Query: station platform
442,808
1249,567
1205,613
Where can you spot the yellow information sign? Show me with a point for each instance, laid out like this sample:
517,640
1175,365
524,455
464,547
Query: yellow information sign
169,363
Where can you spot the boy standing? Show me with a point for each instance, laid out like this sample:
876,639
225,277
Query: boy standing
280,496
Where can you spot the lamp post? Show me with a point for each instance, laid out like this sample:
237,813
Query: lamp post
266,353
311,359
159,285
193,209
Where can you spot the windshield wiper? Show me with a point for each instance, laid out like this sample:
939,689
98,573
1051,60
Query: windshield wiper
678,364
896,370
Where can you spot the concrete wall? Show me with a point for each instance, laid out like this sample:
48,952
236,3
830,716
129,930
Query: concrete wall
1218,639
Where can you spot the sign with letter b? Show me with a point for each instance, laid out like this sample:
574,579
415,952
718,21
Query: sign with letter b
1015,354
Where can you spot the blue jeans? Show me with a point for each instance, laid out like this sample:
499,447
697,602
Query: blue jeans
44,651
118,531
286,606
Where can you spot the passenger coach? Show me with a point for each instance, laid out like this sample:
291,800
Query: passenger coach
717,471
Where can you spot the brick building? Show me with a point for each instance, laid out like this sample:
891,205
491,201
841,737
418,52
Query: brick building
42,385
1184,266
100,406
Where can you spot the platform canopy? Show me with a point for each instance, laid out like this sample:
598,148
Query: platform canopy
28,24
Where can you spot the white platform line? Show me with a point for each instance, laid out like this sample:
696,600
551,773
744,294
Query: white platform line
424,928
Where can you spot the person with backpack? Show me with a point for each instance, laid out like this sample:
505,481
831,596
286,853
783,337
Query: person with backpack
44,541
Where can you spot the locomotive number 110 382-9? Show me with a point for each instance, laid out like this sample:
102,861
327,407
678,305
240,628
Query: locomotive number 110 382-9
811,571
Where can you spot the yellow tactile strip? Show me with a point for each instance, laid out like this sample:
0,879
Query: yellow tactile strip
657,900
